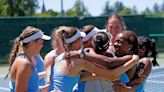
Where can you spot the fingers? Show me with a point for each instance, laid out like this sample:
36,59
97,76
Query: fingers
141,73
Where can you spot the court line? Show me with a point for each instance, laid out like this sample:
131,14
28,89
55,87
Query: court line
156,76
150,81
3,88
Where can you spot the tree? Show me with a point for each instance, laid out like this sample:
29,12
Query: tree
162,7
156,8
108,10
3,8
134,10
147,11
43,7
49,12
30,6
18,7
78,9
118,6
125,11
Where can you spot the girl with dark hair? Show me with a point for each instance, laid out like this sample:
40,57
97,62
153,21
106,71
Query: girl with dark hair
148,46
22,69
143,68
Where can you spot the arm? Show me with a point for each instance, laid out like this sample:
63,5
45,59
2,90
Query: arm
110,74
48,62
146,72
136,82
85,76
108,62
23,74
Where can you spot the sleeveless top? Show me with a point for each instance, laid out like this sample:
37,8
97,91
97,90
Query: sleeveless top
124,79
52,70
141,87
62,81
33,80
40,68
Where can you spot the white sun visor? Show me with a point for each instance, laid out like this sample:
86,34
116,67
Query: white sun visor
90,34
36,36
76,36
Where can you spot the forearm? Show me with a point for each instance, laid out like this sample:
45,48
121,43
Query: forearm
133,87
108,62
121,69
48,73
115,62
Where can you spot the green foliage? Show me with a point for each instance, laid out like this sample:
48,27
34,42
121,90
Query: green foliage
147,11
160,14
156,8
125,11
78,9
18,7
70,12
108,10
48,13
119,6
134,10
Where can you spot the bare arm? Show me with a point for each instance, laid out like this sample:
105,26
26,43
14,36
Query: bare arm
108,62
137,81
48,62
110,74
146,72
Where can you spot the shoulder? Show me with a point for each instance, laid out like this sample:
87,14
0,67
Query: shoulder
145,60
50,55
23,64
22,61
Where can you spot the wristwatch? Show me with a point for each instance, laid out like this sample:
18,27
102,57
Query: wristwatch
82,53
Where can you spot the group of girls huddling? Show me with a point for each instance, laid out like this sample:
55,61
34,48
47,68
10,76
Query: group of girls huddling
82,60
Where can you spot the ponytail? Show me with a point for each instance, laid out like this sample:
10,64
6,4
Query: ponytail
13,53
63,36
154,52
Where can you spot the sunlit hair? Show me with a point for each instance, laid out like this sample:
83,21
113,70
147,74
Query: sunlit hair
56,34
87,28
66,33
17,45
118,17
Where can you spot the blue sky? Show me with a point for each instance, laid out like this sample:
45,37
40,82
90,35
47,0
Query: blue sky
95,7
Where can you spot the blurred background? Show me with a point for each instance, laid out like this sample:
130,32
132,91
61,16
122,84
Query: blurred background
145,17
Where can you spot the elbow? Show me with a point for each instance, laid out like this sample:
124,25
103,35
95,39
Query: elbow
113,76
